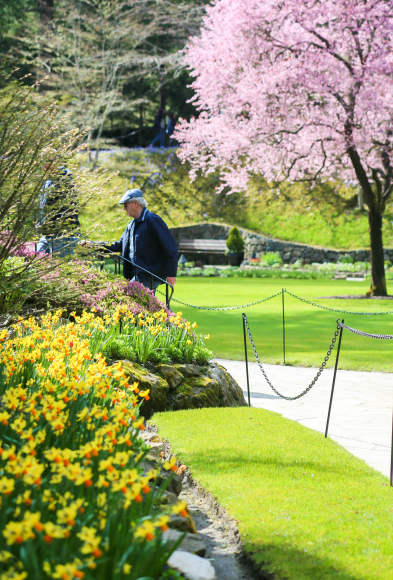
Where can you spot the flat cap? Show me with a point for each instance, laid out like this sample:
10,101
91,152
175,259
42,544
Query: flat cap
130,195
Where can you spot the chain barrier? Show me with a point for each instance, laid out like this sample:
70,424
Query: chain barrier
367,334
321,368
337,309
226,308
274,296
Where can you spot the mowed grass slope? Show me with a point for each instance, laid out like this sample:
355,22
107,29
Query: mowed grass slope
306,508
309,330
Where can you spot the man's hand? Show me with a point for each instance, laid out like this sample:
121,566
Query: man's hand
171,281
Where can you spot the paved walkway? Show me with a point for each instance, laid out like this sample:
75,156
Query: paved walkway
361,417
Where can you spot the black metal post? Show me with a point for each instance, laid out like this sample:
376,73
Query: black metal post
334,379
135,273
391,460
151,282
283,323
166,295
245,356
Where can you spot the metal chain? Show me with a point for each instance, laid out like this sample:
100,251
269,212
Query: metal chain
361,333
321,368
337,309
273,296
228,307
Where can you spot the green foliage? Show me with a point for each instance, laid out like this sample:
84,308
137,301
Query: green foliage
157,339
271,259
306,508
346,259
235,242
170,575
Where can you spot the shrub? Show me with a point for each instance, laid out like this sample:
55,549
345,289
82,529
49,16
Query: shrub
271,259
346,259
235,242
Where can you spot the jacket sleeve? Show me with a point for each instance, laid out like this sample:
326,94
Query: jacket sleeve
116,246
167,243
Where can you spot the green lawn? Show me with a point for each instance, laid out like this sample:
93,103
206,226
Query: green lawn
308,329
306,508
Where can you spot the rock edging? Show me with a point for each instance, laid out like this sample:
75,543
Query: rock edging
250,569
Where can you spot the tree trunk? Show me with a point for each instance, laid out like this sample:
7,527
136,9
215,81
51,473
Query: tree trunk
378,280
161,80
46,11
140,126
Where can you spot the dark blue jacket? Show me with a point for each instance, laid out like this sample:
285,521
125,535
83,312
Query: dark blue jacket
155,248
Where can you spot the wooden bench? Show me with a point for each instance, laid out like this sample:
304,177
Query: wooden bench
203,246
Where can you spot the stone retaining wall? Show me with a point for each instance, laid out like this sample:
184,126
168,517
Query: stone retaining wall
258,244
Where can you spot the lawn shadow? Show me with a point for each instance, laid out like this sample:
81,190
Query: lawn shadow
288,562
229,461
254,395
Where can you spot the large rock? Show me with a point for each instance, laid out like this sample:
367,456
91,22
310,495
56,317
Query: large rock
214,388
157,385
185,386
171,374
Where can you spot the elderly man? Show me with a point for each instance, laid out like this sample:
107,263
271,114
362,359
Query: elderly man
146,242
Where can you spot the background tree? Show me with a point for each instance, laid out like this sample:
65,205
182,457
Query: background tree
297,90
110,60
33,147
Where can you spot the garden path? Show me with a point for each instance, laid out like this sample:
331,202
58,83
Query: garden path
361,416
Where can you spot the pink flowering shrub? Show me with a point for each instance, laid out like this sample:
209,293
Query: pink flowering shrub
78,285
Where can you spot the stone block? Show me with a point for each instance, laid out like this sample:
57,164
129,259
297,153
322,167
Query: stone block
192,567
191,542
155,449
171,374
189,370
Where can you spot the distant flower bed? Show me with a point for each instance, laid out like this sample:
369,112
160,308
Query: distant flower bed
75,502
272,267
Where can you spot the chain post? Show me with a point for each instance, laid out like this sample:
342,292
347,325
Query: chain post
283,323
334,379
245,358
391,460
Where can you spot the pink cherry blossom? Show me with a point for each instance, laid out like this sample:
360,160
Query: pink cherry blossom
294,89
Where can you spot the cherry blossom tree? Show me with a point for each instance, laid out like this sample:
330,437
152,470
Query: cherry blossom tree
296,90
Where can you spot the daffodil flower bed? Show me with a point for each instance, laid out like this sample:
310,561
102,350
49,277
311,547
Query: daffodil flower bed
74,500
157,337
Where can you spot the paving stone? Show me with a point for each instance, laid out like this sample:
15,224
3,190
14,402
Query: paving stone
361,417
